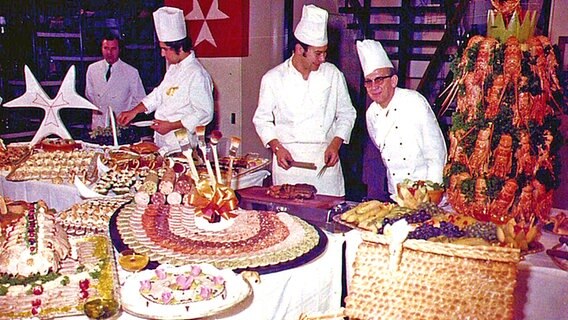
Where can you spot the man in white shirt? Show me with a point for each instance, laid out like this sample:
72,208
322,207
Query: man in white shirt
184,98
112,82
304,110
400,122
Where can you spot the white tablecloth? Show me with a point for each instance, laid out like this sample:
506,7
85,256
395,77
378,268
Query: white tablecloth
58,197
542,288
313,287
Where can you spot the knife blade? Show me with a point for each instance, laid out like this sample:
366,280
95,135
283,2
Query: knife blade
304,165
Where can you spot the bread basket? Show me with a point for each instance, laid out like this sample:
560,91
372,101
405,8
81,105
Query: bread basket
432,280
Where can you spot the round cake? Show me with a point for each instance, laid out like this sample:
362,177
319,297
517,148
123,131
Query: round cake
181,286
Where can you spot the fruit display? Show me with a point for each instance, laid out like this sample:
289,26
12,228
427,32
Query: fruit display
504,139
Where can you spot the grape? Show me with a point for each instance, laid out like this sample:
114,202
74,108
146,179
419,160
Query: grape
485,230
425,232
418,216
450,230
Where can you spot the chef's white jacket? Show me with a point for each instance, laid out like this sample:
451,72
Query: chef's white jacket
305,115
122,91
409,138
185,94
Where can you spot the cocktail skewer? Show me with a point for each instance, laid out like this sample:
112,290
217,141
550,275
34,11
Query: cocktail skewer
200,131
216,135
235,143
183,139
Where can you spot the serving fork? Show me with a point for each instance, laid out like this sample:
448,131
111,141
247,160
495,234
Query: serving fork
322,171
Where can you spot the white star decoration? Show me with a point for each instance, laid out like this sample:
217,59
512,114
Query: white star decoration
213,14
35,97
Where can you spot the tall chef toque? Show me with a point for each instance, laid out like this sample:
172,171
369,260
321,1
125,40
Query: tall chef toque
312,28
170,24
372,56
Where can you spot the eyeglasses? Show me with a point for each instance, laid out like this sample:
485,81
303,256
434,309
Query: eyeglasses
377,80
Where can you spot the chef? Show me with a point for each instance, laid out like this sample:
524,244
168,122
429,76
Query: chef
184,99
400,122
304,112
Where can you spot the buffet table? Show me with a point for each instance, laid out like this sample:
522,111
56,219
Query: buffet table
61,197
541,289
313,287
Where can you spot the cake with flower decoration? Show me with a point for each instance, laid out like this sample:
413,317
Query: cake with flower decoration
170,286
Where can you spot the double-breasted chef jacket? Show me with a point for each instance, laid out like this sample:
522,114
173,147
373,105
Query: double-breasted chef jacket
122,91
305,116
185,94
408,137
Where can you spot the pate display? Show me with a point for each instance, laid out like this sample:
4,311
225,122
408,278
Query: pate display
35,243
44,272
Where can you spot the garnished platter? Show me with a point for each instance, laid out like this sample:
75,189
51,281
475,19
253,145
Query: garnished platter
303,243
143,295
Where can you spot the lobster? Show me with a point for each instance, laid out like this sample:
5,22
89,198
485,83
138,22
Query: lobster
503,157
479,158
499,208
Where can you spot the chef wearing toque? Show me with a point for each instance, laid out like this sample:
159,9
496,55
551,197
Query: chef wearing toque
304,111
400,122
184,99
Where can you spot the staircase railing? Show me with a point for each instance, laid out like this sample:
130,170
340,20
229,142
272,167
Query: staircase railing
448,39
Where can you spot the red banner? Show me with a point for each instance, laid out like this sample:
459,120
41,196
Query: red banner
218,28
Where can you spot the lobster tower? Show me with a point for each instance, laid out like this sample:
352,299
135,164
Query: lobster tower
504,139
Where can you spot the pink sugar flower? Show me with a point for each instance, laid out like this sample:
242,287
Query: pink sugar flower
161,274
205,293
184,282
167,297
195,270
145,285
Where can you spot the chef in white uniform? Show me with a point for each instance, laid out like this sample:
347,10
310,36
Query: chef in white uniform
304,111
112,82
400,122
184,99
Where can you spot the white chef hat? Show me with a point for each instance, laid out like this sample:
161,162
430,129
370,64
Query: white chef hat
372,56
312,28
170,24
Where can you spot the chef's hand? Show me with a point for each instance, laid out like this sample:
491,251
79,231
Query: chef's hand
283,156
125,117
331,155
162,126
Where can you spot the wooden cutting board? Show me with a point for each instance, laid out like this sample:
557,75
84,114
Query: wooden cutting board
258,194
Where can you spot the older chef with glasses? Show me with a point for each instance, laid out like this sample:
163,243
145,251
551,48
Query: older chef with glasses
400,122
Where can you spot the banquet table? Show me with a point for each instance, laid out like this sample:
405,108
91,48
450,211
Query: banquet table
312,287
541,292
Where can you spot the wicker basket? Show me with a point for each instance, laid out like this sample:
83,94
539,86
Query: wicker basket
433,281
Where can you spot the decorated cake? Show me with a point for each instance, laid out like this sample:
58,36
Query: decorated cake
186,292
181,286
